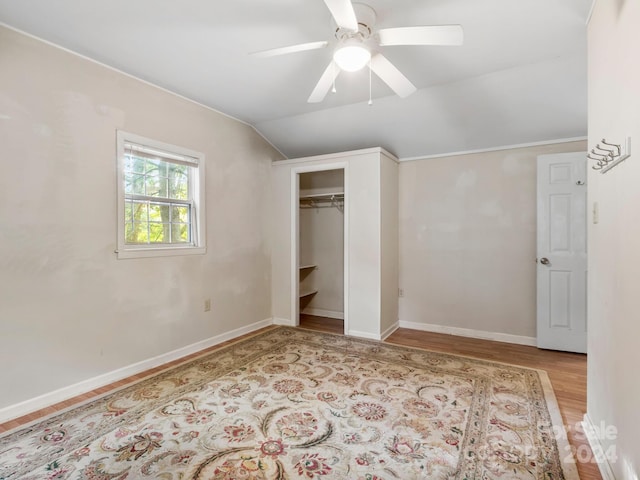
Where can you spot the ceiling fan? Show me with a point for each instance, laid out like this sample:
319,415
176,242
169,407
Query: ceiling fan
357,46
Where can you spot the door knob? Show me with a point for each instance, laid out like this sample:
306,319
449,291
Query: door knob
545,261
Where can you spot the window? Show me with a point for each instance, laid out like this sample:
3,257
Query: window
160,198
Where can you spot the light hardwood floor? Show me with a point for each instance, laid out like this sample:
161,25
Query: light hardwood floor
567,372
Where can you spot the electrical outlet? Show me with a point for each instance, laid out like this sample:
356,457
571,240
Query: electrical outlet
400,292
207,305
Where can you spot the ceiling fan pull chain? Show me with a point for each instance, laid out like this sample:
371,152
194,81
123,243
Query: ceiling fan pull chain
370,100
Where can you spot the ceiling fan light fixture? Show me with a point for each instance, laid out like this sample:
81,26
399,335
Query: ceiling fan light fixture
352,57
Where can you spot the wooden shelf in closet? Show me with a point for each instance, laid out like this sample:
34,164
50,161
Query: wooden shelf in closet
307,267
308,293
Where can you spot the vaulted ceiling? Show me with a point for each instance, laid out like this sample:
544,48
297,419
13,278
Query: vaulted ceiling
520,76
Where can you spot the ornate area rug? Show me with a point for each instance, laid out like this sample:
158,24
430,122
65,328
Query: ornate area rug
294,404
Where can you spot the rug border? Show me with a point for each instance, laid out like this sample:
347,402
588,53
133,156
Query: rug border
567,456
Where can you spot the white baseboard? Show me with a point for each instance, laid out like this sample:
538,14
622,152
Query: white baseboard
374,336
65,393
389,330
467,332
352,333
590,432
283,321
324,313
369,335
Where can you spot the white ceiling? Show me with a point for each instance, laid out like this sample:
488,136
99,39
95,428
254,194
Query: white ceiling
519,78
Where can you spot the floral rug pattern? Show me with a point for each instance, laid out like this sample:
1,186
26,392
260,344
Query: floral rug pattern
294,404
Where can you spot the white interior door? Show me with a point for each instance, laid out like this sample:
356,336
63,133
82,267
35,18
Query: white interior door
562,252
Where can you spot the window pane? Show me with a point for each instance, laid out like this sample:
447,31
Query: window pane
137,233
140,212
128,212
180,233
156,186
128,233
177,170
163,174
158,213
134,164
179,182
134,183
139,164
163,168
151,167
180,214
164,187
159,233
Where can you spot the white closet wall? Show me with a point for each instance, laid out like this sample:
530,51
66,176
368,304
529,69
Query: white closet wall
371,294
322,244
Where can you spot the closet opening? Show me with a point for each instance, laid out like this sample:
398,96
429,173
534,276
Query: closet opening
320,249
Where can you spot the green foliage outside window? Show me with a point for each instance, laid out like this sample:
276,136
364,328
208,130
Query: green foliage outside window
157,201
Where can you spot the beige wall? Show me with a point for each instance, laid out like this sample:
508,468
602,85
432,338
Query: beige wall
613,386
468,240
69,310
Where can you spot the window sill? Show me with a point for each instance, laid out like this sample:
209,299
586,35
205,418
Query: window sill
159,252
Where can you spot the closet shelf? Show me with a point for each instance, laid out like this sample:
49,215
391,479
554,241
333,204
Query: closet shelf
308,293
307,267
323,196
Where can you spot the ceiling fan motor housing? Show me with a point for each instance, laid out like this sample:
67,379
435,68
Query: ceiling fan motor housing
366,21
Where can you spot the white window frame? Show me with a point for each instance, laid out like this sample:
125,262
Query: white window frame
196,186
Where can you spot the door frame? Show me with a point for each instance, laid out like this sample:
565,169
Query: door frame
295,236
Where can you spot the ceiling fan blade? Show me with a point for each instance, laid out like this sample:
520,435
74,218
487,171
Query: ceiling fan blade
324,84
343,13
428,35
290,49
392,76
